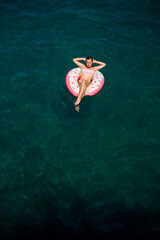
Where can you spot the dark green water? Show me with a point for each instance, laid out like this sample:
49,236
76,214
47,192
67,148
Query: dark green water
88,175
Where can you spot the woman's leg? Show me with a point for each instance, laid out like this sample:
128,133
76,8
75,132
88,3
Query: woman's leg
79,84
82,91
77,107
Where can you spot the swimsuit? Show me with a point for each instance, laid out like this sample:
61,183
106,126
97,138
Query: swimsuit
88,71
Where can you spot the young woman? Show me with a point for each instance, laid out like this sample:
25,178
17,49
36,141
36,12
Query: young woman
87,73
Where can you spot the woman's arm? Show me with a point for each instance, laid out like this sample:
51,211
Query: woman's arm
76,61
101,65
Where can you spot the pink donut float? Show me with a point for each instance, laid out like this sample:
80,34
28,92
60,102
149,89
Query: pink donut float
72,82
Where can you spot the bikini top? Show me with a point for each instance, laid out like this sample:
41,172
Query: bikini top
88,71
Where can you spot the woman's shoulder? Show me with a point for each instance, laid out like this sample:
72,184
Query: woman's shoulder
84,67
94,69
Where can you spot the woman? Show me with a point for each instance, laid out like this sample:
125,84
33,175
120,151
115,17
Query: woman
87,73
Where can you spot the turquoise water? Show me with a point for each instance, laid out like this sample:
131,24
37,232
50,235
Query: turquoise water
93,174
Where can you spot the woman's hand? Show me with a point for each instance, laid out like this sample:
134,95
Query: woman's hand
84,59
98,62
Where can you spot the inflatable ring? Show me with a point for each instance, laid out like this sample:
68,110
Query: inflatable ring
72,82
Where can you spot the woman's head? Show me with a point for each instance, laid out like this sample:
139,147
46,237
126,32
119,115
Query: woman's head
89,61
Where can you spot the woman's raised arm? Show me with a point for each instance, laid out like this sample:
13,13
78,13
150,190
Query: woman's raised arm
76,61
101,65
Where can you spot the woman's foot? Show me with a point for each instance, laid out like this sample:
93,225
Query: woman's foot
77,107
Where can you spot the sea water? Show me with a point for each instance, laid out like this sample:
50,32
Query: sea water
90,173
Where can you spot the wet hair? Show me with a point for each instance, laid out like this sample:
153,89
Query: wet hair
87,58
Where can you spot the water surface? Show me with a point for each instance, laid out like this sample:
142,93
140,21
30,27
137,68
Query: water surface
92,173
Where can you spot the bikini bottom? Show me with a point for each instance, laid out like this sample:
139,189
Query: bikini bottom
84,79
